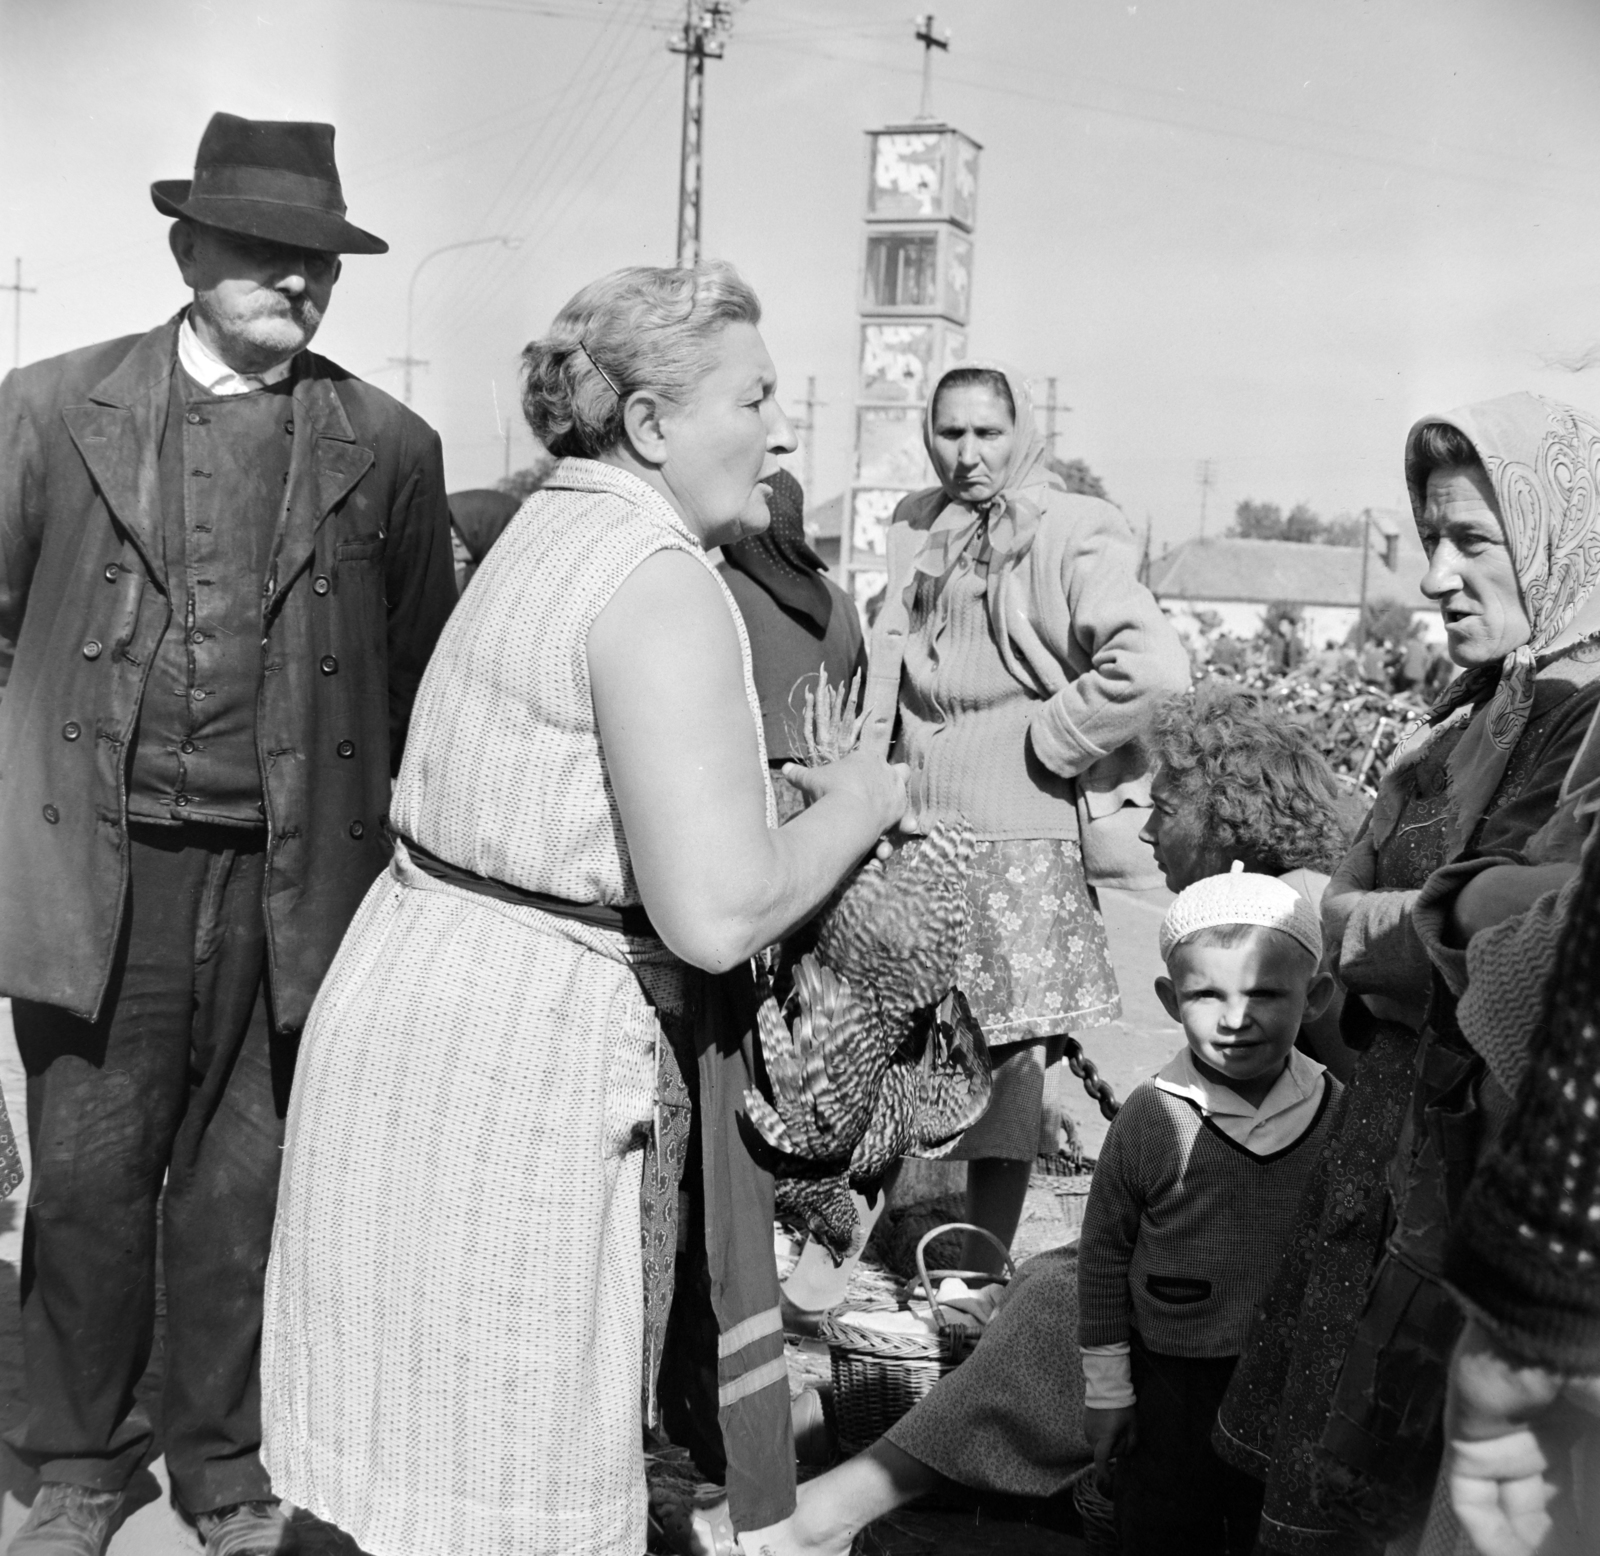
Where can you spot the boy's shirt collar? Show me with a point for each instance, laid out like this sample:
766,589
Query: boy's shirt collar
1286,1112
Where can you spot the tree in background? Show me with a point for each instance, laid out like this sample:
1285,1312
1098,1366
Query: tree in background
1347,530
1302,525
1266,521
1076,476
1257,521
522,484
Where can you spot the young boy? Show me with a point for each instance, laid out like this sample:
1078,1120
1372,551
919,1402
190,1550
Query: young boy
1193,1205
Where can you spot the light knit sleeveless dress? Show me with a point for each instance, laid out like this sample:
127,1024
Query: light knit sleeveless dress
454,1305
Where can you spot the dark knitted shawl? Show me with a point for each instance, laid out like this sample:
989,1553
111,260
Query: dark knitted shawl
780,558
1526,1247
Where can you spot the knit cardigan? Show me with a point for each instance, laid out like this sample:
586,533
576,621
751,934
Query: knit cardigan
1525,1251
1086,658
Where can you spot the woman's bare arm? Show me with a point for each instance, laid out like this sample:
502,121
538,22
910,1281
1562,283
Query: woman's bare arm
680,747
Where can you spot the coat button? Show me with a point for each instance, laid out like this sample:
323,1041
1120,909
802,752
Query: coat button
180,799
51,814
320,584
358,829
195,419
199,694
288,426
187,747
91,649
71,730
112,572
347,748
197,636
330,665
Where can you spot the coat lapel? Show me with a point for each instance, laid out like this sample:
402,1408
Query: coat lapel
118,434
326,461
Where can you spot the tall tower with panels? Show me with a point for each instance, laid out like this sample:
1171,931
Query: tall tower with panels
915,300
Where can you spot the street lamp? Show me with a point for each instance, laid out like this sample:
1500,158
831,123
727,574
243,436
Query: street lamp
408,361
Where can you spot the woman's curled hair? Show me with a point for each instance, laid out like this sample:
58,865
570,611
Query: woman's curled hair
646,327
1262,791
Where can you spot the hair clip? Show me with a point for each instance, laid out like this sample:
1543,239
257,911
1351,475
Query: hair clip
583,347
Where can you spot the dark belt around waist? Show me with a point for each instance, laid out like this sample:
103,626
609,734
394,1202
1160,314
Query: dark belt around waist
631,920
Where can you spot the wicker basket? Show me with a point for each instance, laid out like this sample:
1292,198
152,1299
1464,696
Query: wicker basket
878,1377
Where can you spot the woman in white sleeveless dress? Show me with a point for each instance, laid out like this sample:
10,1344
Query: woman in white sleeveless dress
454,1310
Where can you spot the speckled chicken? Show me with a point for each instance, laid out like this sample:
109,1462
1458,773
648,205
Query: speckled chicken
870,1050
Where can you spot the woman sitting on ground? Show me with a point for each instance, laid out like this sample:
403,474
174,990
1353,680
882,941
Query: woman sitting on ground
1233,780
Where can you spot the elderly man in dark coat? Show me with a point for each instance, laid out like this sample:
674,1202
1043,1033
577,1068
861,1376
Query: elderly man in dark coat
223,564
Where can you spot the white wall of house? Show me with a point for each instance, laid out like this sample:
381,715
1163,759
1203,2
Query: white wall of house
1320,624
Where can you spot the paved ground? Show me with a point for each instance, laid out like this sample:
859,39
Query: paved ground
1126,1052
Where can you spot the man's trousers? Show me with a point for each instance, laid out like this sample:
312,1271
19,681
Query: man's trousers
176,1094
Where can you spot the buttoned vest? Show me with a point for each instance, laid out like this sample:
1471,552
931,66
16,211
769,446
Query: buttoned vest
224,468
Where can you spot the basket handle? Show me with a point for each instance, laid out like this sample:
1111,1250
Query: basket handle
922,1262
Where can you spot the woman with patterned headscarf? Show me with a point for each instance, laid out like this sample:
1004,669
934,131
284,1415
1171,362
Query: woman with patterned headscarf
1337,1401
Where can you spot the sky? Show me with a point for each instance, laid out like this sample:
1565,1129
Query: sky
1267,234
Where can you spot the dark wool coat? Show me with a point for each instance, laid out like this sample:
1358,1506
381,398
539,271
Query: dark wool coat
359,588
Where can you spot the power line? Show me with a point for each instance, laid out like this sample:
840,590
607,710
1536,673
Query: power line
578,185
508,210
1060,100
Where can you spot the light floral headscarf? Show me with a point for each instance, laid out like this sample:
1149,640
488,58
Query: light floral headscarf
1543,461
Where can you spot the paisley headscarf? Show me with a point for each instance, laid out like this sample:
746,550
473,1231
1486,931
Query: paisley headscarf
1010,519
1543,461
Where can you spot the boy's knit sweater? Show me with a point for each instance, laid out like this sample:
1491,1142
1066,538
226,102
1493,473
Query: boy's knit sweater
1184,1227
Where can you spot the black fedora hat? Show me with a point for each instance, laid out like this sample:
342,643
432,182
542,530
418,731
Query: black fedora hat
267,178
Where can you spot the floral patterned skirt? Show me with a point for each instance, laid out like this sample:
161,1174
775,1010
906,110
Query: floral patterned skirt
1035,967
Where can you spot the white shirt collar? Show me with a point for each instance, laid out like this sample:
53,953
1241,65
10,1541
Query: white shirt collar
1286,1112
214,375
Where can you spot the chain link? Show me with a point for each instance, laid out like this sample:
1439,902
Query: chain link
1084,1068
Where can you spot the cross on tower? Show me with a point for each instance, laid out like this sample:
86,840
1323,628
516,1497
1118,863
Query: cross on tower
930,40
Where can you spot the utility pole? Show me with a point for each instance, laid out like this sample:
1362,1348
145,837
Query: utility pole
930,40
508,448
1366,555
704,23
808,466
1051,407
1205,472
17,287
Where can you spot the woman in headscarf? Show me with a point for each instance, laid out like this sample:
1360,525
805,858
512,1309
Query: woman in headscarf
799,622
1337,1400
1019,661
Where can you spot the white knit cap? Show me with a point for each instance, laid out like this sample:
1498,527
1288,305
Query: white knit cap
1239,898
